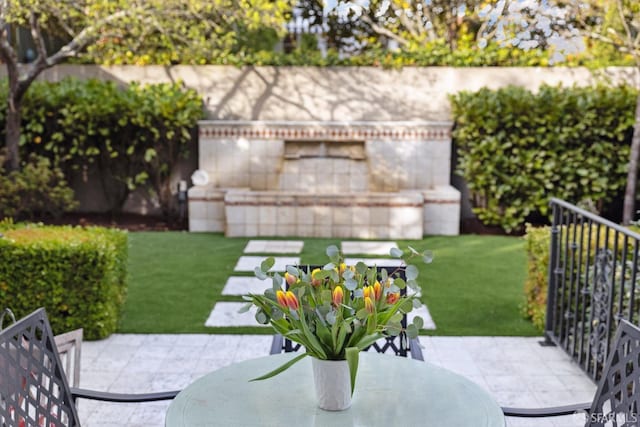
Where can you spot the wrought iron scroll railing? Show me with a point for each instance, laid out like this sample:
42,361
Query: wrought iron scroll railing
593,282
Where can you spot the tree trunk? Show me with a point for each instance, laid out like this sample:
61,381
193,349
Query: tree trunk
12,132
632,175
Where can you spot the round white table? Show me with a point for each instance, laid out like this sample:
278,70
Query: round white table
390,391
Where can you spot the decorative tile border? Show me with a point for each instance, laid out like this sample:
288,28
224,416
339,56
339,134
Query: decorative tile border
333,131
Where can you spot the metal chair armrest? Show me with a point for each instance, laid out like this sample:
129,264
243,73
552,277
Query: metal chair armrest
415,349
122,397
554,411
276,344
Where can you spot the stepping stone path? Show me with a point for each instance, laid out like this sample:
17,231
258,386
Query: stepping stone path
226,313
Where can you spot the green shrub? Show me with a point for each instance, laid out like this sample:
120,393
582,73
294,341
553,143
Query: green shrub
536,284
517,148
36,189
134,135
78,274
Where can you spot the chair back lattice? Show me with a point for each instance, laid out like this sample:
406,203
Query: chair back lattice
398,345
617,398
33,387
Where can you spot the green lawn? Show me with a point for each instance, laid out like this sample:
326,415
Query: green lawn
473,287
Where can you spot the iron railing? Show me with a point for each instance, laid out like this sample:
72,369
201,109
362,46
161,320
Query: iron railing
593,281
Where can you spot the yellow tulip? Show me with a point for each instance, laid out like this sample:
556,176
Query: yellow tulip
393,298
291,279
315,281
368,304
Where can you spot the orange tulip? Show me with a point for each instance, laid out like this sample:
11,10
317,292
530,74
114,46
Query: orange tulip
377,290
368,304
282,299
291,279
315,281
338,295
292,301
393,298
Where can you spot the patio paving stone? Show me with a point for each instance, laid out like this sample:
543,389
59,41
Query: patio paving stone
199,354
367,248
274,247
226,314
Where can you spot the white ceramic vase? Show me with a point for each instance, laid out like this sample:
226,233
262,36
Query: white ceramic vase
333,384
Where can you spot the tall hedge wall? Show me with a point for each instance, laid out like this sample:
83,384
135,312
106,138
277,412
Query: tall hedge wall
517,148
78,274
134,134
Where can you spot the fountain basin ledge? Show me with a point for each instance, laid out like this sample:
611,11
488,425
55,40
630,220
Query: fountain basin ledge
369,180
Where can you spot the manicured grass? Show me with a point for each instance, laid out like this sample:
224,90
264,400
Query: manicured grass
473,287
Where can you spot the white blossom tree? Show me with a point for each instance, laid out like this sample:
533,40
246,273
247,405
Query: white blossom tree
563,26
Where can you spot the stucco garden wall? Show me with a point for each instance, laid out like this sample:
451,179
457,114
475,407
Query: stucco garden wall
337,94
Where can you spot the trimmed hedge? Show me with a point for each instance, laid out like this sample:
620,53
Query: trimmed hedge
78,274
517,148
538,240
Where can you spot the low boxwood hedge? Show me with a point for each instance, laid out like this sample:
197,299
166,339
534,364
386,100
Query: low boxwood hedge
78,274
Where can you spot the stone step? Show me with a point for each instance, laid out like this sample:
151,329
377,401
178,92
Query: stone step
249,263
274,247
370,262
242,285
367,248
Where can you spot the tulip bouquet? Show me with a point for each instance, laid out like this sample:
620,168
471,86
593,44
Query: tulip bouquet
337,310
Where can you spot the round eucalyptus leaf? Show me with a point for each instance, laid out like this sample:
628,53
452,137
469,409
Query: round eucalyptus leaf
384,275
348,274
411,272
277,281
329,266
334,276
394,289
394,328
401,284
427,257
350,284
406,306
333,251
417,303
412,331
361,267
261,317
277,314
270,293
418,322
412,284
358,293
267,264
396,253
293,270
259,273
331,317
245,308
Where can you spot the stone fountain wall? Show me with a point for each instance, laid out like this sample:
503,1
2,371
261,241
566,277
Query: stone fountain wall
383,179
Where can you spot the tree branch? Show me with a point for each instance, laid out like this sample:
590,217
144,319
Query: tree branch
383,31
38,38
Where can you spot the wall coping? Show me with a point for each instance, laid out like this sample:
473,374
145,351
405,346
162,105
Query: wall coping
329,130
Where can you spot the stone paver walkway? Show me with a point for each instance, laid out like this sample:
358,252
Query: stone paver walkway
516,371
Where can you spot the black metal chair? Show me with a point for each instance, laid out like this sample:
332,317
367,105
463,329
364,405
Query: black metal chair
34,391
617,399
400,345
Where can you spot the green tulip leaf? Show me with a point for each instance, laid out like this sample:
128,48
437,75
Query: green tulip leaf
413,251
352,354
281,368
